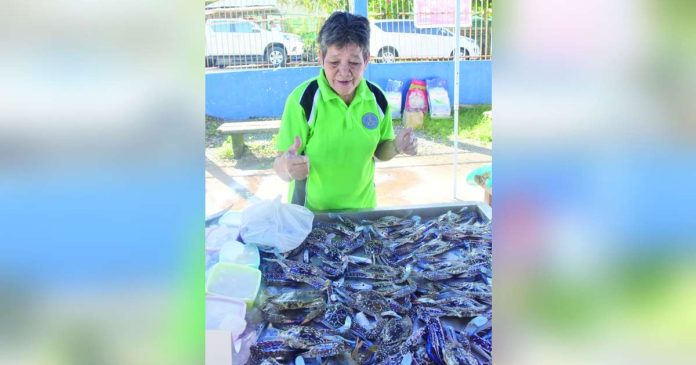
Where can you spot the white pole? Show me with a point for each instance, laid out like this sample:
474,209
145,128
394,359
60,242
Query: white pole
456,98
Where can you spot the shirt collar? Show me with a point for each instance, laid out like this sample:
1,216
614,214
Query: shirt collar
327,93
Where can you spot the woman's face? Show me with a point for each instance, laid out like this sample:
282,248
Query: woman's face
344,69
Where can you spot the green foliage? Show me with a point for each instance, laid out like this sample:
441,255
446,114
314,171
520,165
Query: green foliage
473,124
226,151
211,128
307,27
323,6
390,9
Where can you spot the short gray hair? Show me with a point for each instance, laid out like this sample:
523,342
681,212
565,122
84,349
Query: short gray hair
342,28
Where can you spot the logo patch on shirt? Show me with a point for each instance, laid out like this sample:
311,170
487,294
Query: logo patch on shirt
370,121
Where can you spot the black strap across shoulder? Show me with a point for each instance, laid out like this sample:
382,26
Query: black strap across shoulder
299,194
379,96
307,99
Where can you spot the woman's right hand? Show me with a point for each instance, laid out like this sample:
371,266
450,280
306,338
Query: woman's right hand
296,166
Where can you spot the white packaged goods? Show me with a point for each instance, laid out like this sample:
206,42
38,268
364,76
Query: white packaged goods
438,98
394,96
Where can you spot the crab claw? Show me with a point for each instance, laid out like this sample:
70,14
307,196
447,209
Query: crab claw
435,341
346,325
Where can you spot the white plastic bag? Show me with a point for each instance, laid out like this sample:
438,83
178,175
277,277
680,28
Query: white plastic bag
272,225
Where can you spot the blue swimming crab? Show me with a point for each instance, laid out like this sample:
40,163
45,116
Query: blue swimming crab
378,272
394,289
338,317
395,331
270,349
372,303
305,273
344,226
447,270
455,306
284,307
274,274
435,247
421,232
457,350
350,243
373,248
316,342
435,340
366,329
264,361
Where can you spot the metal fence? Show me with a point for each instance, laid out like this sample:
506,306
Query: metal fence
244,34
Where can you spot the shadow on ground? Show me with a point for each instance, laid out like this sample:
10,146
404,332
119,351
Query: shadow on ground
252,161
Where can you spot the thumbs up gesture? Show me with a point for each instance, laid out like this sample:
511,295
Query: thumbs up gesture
297,166
406,142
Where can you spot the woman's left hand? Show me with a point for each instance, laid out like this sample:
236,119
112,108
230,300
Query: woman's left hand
406,142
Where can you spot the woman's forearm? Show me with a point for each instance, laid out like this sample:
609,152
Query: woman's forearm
386,151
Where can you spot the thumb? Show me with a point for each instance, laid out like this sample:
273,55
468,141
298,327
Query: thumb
296,146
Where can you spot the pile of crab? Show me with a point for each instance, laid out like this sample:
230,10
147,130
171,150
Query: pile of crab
387,291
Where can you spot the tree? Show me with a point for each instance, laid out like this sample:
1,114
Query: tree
323,6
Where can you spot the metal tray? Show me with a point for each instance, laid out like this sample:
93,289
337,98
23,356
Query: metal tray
425,211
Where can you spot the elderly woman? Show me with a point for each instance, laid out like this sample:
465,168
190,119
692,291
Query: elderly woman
336,123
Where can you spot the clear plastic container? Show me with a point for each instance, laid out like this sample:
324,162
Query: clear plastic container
234,281
225,314
217,236
235,252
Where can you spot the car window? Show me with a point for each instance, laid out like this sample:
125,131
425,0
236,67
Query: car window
428,31
407,27
222,27
244,27
443,31
388,26
396,26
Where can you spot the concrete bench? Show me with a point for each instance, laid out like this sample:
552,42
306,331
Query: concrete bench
239,129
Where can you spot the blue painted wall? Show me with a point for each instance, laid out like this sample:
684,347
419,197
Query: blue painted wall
242,95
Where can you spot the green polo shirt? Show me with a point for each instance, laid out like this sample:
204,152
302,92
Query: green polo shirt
340,143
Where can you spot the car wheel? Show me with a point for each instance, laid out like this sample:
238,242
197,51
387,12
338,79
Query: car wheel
387,55
276,56
463,52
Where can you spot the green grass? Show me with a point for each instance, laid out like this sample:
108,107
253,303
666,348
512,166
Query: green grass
472,125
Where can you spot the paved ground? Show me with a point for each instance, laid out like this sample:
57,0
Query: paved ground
404,180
